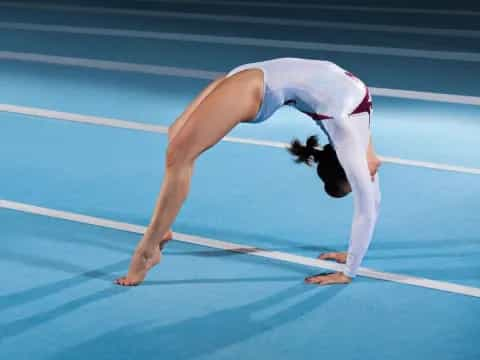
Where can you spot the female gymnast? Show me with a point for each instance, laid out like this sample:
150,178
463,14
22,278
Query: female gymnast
340,104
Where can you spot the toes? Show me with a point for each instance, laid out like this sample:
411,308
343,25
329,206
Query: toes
313,281
124,281
321,278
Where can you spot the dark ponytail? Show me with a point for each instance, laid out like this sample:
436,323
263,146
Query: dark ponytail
307,153
329,169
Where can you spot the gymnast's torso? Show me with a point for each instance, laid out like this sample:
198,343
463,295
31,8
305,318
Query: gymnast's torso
321,89
340,104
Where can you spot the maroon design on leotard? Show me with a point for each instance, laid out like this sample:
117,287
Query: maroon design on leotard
365,106
318,117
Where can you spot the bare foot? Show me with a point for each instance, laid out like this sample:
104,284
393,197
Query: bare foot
168,236
328,279
142,261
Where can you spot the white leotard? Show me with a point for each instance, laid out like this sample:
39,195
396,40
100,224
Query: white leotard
331,96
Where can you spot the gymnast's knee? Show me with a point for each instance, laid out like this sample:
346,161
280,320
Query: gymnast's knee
177,156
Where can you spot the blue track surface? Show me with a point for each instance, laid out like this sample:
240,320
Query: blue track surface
205,304
57,299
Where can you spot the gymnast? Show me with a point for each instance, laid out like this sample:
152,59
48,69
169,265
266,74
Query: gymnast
334,98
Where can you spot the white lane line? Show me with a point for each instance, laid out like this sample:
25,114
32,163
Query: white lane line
210,75
117,123
110,65
427,96
398,10
247,41
431,165
246,249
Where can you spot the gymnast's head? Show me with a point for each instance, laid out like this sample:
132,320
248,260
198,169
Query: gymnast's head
329,169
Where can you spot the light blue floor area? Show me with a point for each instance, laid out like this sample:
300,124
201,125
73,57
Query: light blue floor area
428,225
57,299
205,304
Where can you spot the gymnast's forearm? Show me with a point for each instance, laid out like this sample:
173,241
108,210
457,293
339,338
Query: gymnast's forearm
361,235
363,228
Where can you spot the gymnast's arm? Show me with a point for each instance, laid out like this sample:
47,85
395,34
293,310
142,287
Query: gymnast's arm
366,193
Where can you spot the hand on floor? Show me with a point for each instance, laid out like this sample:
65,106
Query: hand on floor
328,279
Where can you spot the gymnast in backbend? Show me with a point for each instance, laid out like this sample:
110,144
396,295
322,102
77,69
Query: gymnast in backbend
339,103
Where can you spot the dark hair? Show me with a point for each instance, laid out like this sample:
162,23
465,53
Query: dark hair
329,169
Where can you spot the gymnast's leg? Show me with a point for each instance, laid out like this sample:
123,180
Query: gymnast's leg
177,125
180,121
236,99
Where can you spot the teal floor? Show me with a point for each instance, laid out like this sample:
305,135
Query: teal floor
58,301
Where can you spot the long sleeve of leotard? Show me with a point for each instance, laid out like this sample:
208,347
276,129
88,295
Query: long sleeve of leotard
350,147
